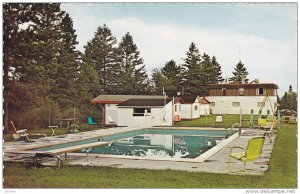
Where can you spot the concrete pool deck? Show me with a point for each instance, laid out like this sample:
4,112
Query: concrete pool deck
217,163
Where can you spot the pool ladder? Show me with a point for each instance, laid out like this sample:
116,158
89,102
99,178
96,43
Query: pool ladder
237,125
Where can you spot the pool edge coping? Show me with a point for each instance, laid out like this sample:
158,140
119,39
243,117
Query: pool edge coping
201,158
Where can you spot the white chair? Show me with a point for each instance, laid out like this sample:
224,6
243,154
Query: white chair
19,133
270,131
22,133
219,119
111,121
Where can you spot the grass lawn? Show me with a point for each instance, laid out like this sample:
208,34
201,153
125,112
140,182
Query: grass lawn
48,131
209,121
282,173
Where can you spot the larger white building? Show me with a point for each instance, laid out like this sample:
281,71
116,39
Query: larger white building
234,98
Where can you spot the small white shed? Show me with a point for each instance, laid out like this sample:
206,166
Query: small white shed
190,107
145,112
109,105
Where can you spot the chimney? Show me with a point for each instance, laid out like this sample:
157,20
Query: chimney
243,79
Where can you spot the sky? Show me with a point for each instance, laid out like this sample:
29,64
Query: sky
262,35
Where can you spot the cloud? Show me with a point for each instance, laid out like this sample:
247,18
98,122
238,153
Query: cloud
266,59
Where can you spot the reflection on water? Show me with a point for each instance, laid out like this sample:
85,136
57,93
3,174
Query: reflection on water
160,146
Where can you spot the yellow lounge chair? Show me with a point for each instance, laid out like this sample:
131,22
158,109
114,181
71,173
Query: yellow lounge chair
252,152
263,122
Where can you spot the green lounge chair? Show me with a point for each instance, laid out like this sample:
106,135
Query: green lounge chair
252,152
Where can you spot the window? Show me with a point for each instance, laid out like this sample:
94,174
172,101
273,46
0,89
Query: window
260,91
224,91
212,104
260,104
241,91
140,112
195,107
236,104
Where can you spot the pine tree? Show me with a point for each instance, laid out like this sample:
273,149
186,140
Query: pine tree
100,52
11,19
290,89
87,88
289,100
67,66
133,78
31,42
239,71
40,56
160,82
206,70
192,77
217,72
173,73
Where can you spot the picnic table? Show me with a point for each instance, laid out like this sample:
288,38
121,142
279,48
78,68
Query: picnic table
68,122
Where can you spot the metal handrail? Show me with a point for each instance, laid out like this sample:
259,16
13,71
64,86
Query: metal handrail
238,125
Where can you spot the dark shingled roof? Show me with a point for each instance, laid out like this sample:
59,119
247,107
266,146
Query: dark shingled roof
144,102
121,98
189,98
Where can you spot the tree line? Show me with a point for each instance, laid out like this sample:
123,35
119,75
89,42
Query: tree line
288,100
45,76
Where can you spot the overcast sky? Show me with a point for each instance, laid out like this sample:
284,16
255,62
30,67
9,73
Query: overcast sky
262,36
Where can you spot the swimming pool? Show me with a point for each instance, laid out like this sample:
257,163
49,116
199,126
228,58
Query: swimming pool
164,144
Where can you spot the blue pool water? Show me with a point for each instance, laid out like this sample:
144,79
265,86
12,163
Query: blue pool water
154,143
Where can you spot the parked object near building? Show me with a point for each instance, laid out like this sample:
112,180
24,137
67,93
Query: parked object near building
288,112
177,109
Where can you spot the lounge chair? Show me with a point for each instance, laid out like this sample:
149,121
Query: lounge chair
219,119
270,131
22,133
111,121
39,156
90,121
252,152
268,121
